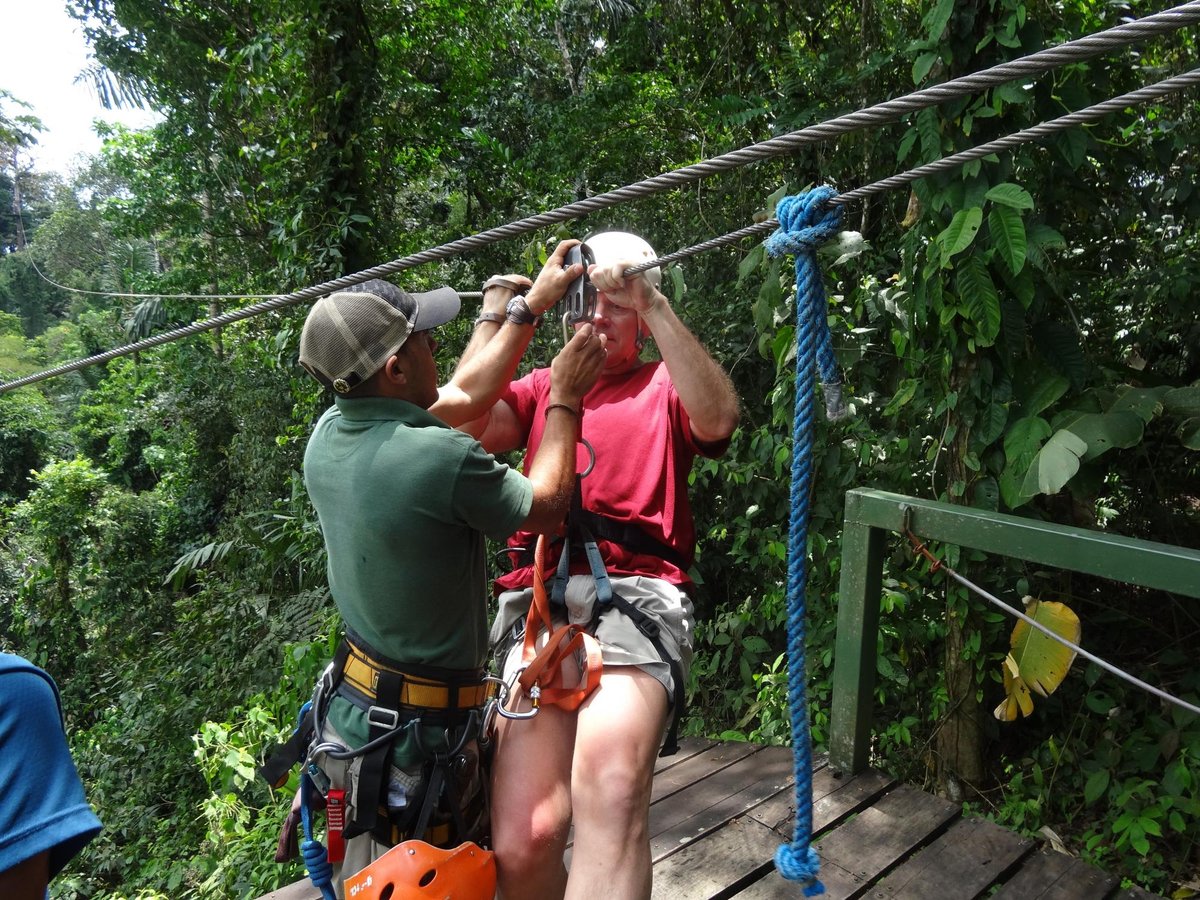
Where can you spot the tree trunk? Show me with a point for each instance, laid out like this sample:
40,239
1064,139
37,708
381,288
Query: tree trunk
960,739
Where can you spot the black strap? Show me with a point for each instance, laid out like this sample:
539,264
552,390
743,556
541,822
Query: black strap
629,536
376,764
283,756
614,531
650,629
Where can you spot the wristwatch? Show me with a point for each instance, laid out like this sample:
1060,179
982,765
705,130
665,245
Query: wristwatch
518,312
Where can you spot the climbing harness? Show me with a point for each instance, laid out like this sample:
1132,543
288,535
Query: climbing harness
805,223
573,645
541,674
400,701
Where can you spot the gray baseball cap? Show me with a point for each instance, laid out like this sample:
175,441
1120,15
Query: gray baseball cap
350,334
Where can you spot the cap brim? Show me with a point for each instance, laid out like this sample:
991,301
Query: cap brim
436,307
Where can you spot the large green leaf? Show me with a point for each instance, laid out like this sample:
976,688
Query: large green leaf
959,234
1011,195
1103,431
1184,401
1061,346
990,424
1189,433
906,390
1044,393
1021,445
1145,403
937,19
978,291
1025,438
1008,236
1054,465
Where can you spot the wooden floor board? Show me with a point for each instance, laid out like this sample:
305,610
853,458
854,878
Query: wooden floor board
1048,875
702,765
959,865
721,810
881,836
710,803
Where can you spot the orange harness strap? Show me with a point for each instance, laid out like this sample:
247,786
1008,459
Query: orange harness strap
542,678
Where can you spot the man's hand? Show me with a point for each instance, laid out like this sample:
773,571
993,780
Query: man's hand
577,366
634,292
553,281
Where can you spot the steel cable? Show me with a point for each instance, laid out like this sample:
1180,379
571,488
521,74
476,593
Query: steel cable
883,113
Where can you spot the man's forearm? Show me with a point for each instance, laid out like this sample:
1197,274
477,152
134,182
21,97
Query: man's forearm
479,381
704,389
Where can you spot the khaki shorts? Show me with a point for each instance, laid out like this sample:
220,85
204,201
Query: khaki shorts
621,642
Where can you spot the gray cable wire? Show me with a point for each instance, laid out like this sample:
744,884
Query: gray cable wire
1091,657
883,113
1089,114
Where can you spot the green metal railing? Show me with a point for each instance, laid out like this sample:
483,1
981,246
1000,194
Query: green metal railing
871,515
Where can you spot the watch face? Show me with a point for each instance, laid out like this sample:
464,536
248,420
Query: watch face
518,311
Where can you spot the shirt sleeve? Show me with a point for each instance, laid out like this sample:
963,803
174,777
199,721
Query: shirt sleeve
490,496
42,806
522,397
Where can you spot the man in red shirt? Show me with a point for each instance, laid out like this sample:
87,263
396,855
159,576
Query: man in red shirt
646,421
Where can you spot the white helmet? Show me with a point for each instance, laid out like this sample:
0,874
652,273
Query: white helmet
611,246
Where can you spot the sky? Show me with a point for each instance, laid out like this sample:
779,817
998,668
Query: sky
39,60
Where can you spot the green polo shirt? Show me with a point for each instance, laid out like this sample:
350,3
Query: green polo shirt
404,503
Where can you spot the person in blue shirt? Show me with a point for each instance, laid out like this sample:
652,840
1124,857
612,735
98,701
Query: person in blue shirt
44,817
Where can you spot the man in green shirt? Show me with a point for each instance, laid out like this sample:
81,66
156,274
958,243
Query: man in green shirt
405,503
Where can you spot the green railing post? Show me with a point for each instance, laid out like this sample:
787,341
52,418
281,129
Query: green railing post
856,645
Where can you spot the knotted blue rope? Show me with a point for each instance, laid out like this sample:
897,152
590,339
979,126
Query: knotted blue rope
805,223
316,860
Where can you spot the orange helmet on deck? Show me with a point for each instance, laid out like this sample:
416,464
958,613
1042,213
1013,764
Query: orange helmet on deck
415,870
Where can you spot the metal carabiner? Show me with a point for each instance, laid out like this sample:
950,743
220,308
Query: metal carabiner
591,457
507,691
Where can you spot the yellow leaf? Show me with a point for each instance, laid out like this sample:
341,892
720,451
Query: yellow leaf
1037,662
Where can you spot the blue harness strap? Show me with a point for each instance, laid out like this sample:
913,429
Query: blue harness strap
805,223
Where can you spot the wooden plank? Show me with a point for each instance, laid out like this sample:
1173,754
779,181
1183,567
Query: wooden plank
706,868
1047,875
688,747
711,802
854,855
703,764
834,797
840,795
744,849
960,865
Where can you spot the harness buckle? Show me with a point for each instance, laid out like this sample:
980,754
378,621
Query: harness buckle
384,718
649,628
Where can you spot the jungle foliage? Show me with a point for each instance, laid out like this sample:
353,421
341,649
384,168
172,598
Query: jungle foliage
1019,335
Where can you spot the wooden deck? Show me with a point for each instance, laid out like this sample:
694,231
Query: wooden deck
720,810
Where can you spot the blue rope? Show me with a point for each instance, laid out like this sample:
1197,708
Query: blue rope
316,860
805,223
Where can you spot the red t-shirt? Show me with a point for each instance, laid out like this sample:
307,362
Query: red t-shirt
644,451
